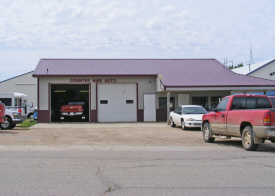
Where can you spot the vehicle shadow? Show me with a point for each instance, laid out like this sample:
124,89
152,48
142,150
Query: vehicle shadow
191,129
8,132
229,142
265,147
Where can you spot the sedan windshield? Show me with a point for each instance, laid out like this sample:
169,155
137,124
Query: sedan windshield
194,110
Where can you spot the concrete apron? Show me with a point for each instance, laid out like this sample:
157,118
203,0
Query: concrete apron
95,125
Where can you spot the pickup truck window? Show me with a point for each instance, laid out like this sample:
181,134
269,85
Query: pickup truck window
222,105
272,99
250,103
263,102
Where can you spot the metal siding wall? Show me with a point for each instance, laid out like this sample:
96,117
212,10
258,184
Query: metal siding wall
144,87
265,71
22,84
43,94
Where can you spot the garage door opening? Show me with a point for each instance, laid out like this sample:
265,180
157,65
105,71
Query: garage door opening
67,94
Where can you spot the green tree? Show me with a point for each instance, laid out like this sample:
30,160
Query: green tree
237,66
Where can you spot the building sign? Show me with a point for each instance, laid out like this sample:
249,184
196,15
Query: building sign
80,80
273,73
94,80
104,80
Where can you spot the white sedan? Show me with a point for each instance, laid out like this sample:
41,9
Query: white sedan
187,116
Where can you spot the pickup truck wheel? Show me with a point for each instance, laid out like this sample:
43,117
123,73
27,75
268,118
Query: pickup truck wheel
272,140
7,124
172,124
248,139
30,115
183,125
206,131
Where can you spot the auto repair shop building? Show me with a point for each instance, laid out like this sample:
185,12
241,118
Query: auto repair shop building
136,90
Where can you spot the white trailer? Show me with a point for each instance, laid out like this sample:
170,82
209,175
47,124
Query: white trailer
18,102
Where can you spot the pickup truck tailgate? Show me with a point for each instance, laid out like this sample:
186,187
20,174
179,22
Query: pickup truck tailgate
71,108
272,118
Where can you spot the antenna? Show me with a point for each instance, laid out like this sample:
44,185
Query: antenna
226,62
251,60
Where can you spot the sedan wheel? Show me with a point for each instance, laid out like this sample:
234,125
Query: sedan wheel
183,125
172,124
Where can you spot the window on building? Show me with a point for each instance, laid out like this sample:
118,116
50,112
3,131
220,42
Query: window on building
202,101
103,101
129,101
214,102
163,102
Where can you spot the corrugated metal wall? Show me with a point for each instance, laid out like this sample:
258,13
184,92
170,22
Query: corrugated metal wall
25,84
146,85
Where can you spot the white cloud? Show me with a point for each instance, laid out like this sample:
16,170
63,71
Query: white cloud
134,29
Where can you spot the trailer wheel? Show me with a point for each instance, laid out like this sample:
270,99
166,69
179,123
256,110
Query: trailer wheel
7,124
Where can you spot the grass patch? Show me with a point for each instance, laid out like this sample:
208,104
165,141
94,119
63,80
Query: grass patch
27,123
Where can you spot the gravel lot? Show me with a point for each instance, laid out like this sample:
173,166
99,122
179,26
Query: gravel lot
102,134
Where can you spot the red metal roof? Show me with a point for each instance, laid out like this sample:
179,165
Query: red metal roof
176,72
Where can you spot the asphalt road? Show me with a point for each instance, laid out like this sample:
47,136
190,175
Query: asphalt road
99,160
137,170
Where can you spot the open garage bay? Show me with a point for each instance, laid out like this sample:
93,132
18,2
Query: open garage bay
61,94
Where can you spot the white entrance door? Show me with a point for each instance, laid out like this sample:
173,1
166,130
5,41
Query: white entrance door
149,107
117,103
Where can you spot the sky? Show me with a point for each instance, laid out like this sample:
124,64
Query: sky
113,29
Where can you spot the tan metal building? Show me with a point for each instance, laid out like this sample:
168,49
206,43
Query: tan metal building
135,90
24,83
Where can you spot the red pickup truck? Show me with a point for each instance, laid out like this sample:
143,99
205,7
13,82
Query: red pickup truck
74,108
250,117
2,113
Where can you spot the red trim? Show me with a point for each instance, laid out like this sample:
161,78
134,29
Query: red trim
90,104
38,101
161,115
137,99
140,115
93,118
219,86
128,75
43,116
49,101
96,102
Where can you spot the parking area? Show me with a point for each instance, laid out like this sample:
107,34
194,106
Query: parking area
104,134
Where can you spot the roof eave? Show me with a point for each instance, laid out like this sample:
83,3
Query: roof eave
94,75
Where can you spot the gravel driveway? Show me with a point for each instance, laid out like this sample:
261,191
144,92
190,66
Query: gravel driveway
102,134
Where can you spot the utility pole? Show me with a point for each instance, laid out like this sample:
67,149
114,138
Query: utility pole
226,62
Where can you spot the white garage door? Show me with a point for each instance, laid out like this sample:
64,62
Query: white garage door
117,103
